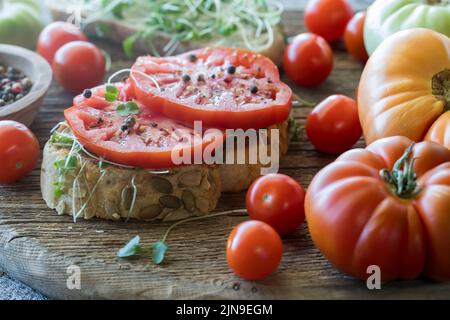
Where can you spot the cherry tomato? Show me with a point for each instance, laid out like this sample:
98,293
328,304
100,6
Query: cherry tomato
19,151
308,60
354,37
79,65
254,250
328,18
278,200
55,35
333,126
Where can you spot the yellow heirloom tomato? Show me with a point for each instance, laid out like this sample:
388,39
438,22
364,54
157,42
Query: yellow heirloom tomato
405,88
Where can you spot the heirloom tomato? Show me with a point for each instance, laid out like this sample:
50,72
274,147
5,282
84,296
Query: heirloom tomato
405,88
385,18
387,205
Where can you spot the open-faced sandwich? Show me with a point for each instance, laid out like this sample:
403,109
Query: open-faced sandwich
139,148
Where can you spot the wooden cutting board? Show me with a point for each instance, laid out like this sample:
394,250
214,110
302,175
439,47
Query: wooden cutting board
37,246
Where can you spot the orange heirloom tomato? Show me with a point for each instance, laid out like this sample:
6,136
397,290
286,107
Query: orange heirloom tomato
385,206
405,88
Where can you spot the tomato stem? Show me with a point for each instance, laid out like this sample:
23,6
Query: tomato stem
402,179
440,85
302,103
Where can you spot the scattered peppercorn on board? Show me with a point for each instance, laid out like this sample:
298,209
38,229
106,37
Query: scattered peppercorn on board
37,246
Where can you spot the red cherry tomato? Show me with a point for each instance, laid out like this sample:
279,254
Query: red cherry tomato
354,37
254,250
333,126
308,60
19,151
278,200
328,18
79,65
55,35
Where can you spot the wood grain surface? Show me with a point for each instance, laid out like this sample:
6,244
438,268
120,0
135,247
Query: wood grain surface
37,246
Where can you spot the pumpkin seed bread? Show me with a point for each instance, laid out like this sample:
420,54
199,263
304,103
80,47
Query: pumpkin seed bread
108,192
92,189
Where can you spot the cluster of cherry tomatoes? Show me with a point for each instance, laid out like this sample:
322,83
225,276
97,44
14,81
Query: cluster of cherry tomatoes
275,202
333,126
77,64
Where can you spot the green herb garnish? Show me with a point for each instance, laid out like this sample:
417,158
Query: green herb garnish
294,128
131,248
111,93
68,163
61,138
248,24
159,252
128,108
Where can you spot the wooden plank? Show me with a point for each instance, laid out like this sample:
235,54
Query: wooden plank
37,246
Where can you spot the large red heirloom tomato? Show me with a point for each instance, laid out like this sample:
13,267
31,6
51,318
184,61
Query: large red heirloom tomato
223,87
386,205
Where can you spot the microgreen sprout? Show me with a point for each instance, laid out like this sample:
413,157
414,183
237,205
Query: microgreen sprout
111,93
242,23
128,108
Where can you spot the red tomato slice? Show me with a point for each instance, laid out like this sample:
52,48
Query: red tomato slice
223,87
95,97
147,143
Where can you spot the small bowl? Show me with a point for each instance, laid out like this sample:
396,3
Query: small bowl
38,70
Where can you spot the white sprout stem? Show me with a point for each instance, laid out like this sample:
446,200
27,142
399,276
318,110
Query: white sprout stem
99,13
133,200
130,72
103,173
217,214
56,127
76,186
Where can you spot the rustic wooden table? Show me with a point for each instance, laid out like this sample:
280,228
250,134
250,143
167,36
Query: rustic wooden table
37,246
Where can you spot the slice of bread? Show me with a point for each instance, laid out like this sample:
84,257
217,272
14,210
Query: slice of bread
108,192
114,193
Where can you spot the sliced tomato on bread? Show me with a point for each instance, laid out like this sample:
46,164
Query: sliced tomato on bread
126,132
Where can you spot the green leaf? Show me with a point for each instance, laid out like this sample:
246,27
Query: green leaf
131,248
111,93
128,108
60,138
128,44
58,189
159,252
68,163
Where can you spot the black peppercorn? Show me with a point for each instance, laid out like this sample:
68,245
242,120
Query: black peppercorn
200,78
253,89
231,69
87,93
192,58
128,124
186,78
